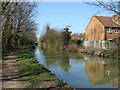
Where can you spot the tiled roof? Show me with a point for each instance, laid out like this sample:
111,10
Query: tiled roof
75,36
107,21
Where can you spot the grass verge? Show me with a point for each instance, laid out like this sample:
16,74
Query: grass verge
36,75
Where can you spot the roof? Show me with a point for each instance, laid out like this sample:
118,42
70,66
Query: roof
75,36
107,21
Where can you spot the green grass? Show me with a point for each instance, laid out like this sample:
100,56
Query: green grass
32,71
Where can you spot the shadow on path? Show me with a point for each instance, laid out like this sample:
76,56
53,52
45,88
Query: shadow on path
10,76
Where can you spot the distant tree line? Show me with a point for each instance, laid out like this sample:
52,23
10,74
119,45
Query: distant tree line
55,38
18,25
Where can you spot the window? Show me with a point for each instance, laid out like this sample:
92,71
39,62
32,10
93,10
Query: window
116,30
109,30
94,30
109,39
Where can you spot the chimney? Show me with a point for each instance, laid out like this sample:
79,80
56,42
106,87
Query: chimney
116,19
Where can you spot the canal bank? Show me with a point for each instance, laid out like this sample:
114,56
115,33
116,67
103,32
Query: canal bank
112,53
80,70
29,73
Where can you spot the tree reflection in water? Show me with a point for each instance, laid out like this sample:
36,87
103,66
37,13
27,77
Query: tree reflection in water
100,71
56,57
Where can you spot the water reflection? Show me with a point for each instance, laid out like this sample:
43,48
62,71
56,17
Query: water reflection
53,57
102,73
80,70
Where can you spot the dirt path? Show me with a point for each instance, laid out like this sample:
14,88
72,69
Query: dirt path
10,72
11,78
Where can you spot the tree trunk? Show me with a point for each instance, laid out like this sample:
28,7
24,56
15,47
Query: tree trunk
9,44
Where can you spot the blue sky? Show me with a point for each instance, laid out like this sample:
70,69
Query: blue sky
61,14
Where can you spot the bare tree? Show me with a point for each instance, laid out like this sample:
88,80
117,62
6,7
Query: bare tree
17,19
111,5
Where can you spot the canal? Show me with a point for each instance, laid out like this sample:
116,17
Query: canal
80,70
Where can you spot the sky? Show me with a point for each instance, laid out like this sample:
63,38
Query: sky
60,14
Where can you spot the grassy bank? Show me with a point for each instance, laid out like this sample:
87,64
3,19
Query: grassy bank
36,75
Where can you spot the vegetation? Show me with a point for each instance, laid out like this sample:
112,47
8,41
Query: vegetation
110,6
52,37
66,36
55,38
35,73
60,40
17,23
76,41
111,53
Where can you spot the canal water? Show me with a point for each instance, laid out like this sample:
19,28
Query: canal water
80,70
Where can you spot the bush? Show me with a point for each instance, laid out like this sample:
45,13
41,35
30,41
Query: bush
72,47
52,38
78,42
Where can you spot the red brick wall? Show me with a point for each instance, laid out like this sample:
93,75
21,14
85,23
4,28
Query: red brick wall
95,31
112,35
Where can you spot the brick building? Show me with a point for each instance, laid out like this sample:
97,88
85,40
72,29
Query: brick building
75,37
102,28
80,36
